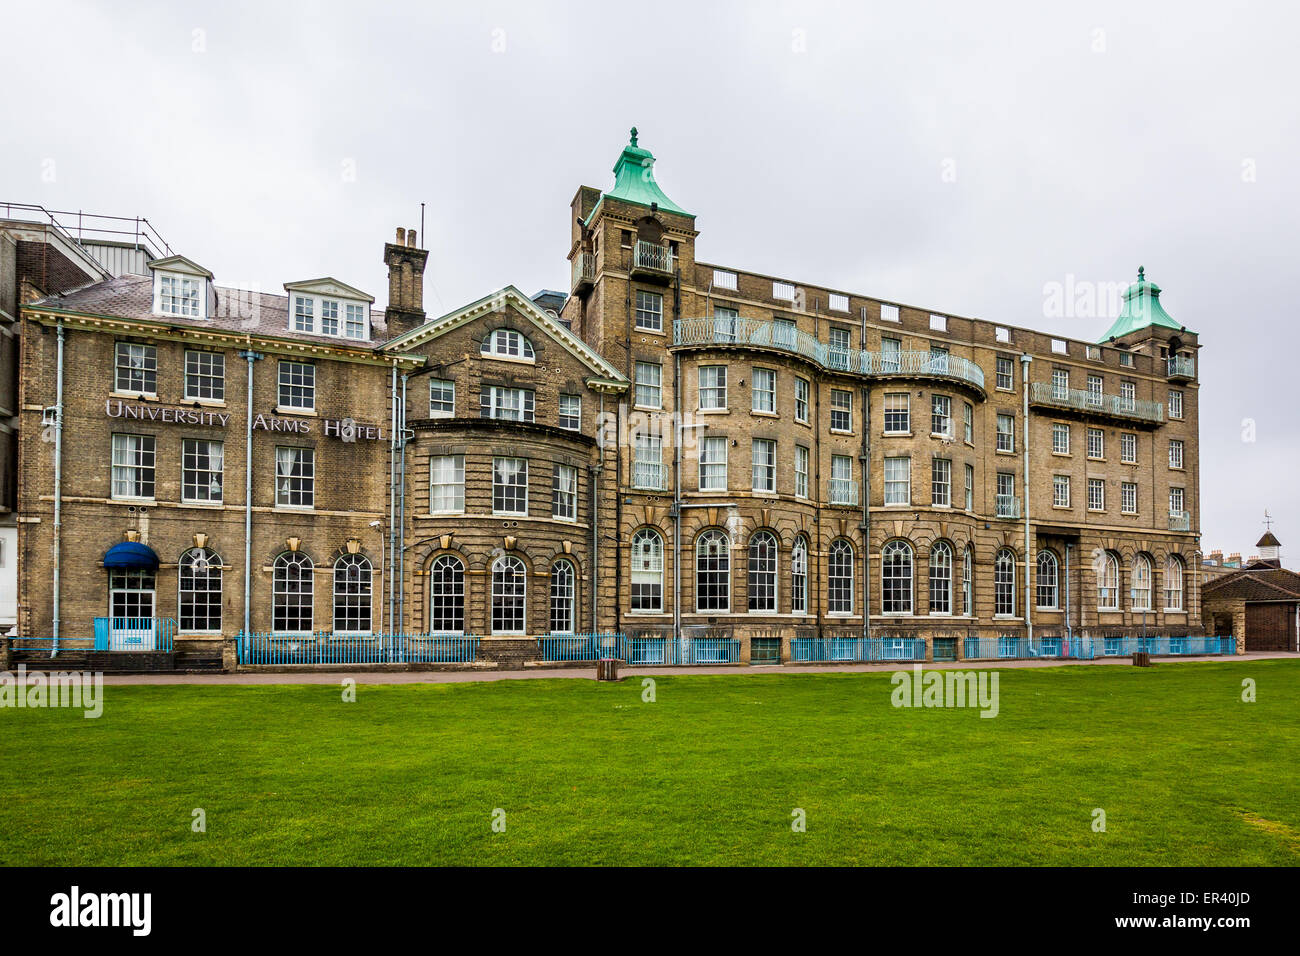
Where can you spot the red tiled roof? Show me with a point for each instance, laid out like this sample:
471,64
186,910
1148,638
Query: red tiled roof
1260,584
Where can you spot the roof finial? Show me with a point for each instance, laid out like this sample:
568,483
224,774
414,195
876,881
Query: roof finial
633,135
1142,274
1268,521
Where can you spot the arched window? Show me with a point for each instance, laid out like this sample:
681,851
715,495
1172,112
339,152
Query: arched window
712,571
896,577
647,572
1004,583
509,585
1047,580
291,593
762,571
941,578
352,594
1108,583
507,343
563,594
200,591
799,576
446,595
839,577
968,582
1174,583
1141,583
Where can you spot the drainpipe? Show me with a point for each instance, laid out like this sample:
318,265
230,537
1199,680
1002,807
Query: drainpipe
401,551
866,513
58,485
1024,442
677,496
1069,631
251,357
392,496
595,519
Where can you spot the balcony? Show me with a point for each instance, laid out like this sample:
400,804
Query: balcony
649,476
652,262
1180,521
1182,367
784,337
1008,506
1095,403
584,272
844,491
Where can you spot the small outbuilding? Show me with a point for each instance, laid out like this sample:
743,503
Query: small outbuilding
1258,604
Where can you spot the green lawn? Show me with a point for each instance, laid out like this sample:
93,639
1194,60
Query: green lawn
708,774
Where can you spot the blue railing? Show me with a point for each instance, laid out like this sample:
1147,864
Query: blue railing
1088,648
327,648
856,649
685,650
580,647
134,633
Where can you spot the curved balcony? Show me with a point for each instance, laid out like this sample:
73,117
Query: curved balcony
1117,407
784,337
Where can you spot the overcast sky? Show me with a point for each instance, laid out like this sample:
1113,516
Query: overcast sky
959,157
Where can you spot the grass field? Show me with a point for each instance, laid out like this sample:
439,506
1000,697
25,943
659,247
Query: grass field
707,774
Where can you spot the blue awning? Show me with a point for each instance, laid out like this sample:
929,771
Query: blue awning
131,554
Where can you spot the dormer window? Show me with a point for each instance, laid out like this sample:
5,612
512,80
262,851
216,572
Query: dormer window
329,308
304,314
509,344
180,295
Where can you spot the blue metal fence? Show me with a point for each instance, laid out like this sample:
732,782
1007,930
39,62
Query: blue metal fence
580,647
681,650
134,633
324,647
1009,647
856,649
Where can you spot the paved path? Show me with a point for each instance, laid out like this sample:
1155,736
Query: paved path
588,673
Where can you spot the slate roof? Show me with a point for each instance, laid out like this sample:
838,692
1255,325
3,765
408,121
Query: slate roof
257,313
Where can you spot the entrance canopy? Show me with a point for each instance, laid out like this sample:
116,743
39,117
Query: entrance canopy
132,555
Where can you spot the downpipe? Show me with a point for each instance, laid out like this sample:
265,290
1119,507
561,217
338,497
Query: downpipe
251,357
1024,450
58,488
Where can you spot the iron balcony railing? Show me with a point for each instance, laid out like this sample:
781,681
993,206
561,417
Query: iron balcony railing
584,268
1180,521
649,476
1045,393
1008,506
783,336
652,256
1182,366
844,491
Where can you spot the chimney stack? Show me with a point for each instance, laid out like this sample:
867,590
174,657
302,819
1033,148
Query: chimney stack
405,283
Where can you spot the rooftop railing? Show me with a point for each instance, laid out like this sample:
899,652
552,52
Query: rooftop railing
1045,393
79,226
784,337
652,256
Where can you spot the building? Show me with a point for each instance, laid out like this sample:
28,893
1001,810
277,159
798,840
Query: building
674,449
1258,604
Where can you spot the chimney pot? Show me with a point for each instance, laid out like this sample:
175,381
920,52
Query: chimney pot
410,238
401,236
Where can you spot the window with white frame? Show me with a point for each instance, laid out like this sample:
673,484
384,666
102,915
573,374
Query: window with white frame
1006,425
1092,352
199,591
1006,502
839,577
941,482
712,571
1096,494
201,470
841,410
647,572
447,595
1141,583
509,404
507,344
1060,347
801,400
329,317
205,376
938,323
713,464
1047,580
762,571
563,597
353,580
1001,333
1128,497
837,348
968,423
649,385
898,419
447,484
891,355
648,462
800,471
941,415
713,387
970,487
564,493
763,458
297,386
1175,453
1060,438
1096,443
1004,584
1108,583
137,369
889,313
510,486
354,321
1060,491
1126,359
844,490
838,302
570,416
1174,583
295,477
799,576
1094,391
1128,395
1005,377
509,587
291,593
968,582
941,578
783,291
442,398
134,466
898,481
724,280
763,393
180,295
1176,501
304,314
1175,403
1128,448
1060,383
649,311
896,577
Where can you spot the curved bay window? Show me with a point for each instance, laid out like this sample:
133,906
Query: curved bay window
1174,583
941,578
352,594
762,571
896,577
1108,583
199,597
509,585
563,597
799,576
291,593
1004,584
712,571
647,572
446,595
1048,579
